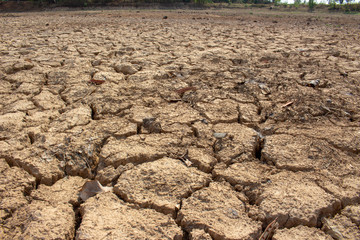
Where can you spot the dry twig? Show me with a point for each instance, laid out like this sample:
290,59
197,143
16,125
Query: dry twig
269,230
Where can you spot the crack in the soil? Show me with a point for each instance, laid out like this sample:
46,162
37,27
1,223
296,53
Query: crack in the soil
78,219
250,191
153,206
138,128
260,142
31,137
93,112
342,206
186,234
63,98
97,154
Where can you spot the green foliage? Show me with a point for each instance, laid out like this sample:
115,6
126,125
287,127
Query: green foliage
200,2
346,8
100,2
311,5
297,3
73,3
254,1
333,6
351,7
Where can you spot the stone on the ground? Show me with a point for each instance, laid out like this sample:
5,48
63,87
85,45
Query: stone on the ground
125,68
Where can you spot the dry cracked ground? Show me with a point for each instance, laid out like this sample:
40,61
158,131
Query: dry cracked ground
207,124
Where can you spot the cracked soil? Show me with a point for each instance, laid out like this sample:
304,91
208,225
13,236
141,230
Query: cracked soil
207,124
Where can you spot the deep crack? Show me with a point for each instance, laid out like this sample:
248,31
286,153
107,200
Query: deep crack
78,219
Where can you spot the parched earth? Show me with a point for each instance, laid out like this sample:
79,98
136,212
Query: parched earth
207,124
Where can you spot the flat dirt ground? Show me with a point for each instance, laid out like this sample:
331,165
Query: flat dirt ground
203,124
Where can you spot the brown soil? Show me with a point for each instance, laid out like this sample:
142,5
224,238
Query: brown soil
207,124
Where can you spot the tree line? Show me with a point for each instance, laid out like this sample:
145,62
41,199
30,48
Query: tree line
337,5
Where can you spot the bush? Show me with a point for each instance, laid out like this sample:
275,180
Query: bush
351,7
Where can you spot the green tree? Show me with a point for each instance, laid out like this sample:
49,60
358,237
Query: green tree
311,5
200,2
73,3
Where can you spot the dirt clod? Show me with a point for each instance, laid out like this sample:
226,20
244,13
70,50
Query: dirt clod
301,233
157,184
42,220
206,210
295,201
122,221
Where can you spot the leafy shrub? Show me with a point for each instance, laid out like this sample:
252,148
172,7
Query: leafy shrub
351,7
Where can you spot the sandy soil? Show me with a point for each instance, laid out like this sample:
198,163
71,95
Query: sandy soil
207,124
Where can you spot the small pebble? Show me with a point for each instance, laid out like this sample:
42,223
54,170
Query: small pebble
219,135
